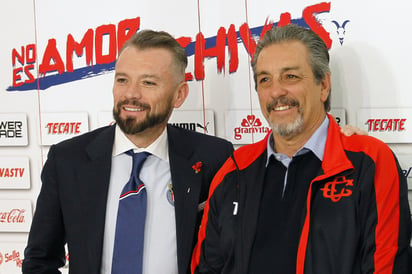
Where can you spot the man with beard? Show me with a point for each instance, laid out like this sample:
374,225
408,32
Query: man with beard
83,177
306,199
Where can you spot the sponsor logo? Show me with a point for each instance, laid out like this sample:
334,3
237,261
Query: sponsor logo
59,126
1,258
250,125
14,173
14,216
14,256
340,30
64,128
11,172
337,189
11,129
56,67
382,125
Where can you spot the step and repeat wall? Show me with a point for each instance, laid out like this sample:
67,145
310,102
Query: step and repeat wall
57,63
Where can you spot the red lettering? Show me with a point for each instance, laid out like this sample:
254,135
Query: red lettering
52,60
369,123
15,55
199,56
389,125
27,71
396,124
126,29
376,124
233,50
17,77
310,19
30,58
381,125
72,45
13,216
402,124
247,39
217,51
386,124
63,128
103,31
285,19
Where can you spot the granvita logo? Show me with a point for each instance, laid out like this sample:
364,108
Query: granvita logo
249,125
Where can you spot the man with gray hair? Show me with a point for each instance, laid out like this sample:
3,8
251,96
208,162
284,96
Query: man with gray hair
306,199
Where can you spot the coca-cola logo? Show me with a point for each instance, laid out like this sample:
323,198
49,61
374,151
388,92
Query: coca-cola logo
14,216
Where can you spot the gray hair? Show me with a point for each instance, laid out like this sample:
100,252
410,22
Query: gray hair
317,50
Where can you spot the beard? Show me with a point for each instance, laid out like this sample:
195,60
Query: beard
130,126
286,129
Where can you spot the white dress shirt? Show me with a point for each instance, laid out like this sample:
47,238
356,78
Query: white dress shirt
160,251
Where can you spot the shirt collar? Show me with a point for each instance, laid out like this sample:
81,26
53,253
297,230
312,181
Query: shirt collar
316,144
158,148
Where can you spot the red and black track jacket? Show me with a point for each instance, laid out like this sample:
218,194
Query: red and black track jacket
357,216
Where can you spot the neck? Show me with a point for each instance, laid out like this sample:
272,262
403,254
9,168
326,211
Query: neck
146,137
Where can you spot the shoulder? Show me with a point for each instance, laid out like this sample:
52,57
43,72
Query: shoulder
366,144
101,137
182,136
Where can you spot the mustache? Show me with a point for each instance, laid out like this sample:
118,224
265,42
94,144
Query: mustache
281,101
132,102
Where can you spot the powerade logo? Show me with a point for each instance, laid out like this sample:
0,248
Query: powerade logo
56,67
250,125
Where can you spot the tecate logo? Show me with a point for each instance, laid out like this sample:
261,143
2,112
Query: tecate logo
386,124
250,124
63,128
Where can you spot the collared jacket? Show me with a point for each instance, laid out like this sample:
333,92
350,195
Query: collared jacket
357,217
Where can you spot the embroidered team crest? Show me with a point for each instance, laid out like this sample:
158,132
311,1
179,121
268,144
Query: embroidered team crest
337,189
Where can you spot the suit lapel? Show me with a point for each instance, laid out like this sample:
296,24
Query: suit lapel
187,187
94,189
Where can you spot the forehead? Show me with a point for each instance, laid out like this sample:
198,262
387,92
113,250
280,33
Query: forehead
150,57
283,55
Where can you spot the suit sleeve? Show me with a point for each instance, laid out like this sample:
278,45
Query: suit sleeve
45,252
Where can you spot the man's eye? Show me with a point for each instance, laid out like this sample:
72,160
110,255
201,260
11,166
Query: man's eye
149,83
263,80
121,80
290,77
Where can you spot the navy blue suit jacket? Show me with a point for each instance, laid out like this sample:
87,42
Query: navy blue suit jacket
71,206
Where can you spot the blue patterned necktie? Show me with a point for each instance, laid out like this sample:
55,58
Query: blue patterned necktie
131,216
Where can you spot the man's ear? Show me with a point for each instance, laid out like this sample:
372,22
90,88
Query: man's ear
182,91
326,86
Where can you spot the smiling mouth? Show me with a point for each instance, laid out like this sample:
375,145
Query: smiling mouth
283,108
132,109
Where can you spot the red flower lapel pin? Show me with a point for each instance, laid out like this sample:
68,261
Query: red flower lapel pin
197,167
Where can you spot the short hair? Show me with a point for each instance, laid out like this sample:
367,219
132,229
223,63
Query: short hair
146,39
317,50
